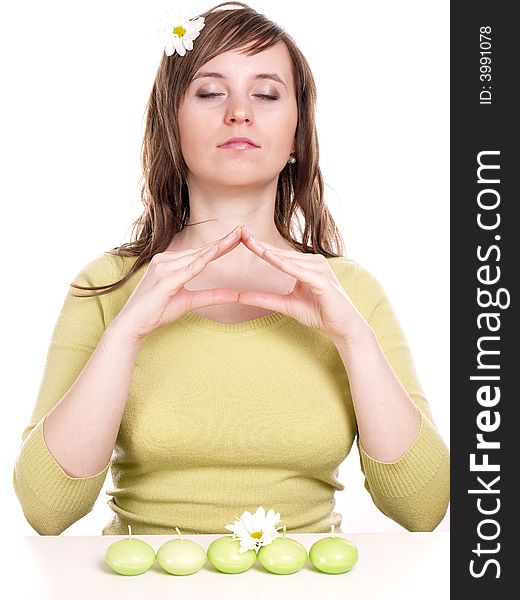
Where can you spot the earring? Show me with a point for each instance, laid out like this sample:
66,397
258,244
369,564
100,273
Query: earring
291,160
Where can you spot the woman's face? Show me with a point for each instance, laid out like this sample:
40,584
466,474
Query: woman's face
242,107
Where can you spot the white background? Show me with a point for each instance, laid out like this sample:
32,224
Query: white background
76,79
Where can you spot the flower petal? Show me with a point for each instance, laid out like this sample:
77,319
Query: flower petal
272,517
179,47
247,520
197,24
242,532
171,19
191,35
256,524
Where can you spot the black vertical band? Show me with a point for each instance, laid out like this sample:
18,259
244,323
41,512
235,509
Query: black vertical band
485,267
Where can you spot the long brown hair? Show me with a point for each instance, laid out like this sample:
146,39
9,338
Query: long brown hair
164,193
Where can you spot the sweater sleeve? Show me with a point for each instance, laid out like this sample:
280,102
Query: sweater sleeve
52,500
414,491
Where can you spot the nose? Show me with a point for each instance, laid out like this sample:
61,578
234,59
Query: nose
238,115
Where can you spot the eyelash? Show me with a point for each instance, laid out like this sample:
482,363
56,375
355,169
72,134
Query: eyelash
265,96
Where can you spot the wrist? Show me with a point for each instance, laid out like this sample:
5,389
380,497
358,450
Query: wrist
118,333
358,336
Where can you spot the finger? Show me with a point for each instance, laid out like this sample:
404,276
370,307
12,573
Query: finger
257,246
175,274
265,300
226,243
198,298
231,239
312,276
181,270
272,255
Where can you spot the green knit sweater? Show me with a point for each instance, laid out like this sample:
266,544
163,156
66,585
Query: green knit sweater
225,417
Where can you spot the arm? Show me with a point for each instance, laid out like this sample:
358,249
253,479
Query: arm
66,449
388,419
403,457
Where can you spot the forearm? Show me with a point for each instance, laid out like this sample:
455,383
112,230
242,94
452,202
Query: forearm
388,419
81,430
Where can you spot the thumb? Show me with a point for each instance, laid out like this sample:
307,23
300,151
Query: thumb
198,298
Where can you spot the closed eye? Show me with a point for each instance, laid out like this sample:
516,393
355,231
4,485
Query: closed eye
264,96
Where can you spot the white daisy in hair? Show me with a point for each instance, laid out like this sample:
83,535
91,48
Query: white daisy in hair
255,531
177,31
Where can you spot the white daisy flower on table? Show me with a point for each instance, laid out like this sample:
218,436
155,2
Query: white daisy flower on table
255,531
177,31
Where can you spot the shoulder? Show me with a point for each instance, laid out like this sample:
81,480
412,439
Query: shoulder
103,269
107,265
97,269
351,272
109,268
360,283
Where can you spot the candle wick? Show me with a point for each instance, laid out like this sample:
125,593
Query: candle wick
130,531
180,534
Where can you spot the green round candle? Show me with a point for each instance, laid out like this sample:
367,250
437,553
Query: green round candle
283,555
223,553
130,556
180,556
333,554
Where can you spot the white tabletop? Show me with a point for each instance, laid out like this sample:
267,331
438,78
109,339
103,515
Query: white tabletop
398,566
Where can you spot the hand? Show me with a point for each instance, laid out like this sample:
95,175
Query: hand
160,296
318,299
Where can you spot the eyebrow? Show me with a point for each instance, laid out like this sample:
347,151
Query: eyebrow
272,76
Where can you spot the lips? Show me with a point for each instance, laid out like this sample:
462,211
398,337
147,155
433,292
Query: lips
239,143
238,146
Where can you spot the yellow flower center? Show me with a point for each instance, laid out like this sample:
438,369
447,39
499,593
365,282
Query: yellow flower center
256,534
179,30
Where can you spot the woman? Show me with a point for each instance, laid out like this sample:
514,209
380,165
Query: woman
228,362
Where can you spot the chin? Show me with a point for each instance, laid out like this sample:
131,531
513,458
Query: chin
245,180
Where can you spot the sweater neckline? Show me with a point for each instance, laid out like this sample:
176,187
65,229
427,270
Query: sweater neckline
194,320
